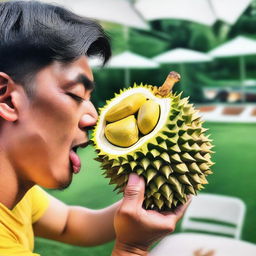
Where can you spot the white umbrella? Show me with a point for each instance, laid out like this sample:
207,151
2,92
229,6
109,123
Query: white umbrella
126,60
229,10
206,12
116,11
237,47
181,56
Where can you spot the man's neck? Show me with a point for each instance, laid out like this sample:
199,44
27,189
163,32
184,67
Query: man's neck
12,190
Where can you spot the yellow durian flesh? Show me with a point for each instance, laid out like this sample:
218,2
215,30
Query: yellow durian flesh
123,133
125,107
148,116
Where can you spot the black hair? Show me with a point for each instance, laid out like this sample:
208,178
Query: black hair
34,34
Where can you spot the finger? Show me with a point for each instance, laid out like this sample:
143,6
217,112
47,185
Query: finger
134,192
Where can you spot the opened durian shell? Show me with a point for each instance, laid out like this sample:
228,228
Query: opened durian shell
174,158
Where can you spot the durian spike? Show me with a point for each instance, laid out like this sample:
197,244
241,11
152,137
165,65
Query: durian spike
167,86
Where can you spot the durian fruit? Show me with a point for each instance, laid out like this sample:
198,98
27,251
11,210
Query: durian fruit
160,137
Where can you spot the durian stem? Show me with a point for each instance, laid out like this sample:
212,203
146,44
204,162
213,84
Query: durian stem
168,84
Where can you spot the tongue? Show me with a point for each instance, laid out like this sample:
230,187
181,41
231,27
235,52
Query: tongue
76,163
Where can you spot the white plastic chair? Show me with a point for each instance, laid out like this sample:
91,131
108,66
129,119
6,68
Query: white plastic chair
209,207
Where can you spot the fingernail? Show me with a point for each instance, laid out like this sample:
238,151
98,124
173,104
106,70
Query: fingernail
134,179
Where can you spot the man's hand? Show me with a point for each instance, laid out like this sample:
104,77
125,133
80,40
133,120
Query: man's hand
136,228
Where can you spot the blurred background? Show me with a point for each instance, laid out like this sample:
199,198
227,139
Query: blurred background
212,43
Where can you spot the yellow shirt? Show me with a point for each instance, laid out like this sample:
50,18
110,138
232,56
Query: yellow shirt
16,232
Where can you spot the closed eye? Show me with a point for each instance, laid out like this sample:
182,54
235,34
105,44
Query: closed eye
75,97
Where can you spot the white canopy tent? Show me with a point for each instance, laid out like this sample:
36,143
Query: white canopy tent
229,11
126,60
116,11
237,47
181,56
206,12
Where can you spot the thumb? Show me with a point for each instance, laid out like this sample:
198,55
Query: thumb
134,191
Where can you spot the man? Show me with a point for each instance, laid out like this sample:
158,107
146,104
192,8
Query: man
45,113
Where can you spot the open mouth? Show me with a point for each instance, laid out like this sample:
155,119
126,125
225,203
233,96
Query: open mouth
74,160
75,148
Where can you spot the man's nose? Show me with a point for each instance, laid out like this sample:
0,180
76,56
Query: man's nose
90,116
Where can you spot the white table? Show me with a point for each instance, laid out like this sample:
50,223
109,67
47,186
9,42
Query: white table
185,244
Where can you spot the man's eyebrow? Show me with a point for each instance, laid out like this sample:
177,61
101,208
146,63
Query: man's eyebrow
83,79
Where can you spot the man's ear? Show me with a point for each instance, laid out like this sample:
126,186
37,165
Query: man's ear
7,108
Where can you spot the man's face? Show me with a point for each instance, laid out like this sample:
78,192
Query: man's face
51,123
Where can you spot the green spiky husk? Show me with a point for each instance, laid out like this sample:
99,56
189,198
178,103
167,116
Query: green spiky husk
174,163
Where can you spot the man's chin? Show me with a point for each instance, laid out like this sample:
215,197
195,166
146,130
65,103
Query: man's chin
58,178
65,183
61,183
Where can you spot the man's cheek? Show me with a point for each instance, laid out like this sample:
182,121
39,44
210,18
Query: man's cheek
30,155
55,115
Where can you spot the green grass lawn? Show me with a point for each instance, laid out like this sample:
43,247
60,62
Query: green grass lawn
234,175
